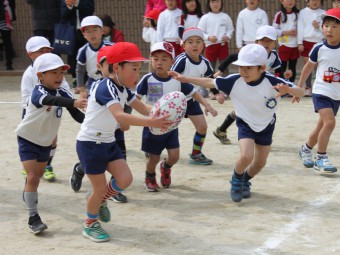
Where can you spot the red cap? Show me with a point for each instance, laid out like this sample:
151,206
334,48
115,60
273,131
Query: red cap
102,53
153,14
124,51
334,13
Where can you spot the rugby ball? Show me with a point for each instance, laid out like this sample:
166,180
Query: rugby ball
173,103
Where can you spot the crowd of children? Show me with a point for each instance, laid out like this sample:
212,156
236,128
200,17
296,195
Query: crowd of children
185,45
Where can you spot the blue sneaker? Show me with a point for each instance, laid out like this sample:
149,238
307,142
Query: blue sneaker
246,189
95,232
306,157
236,190
323,165
199,159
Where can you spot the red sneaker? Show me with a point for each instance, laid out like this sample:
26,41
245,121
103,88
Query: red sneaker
165,176
151,184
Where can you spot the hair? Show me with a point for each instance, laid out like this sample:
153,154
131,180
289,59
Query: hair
120,64
107,21
284,12
307,1
153,23
328,18
208,5
198,10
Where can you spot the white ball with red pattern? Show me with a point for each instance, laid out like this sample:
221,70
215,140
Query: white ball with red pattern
173,103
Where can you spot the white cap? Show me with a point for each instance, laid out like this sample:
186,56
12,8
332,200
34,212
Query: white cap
164,46
36,43
266,31
192,31
48,61
252,55
91,21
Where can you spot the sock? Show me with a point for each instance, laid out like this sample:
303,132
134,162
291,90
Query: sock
147,174
237,176
90,218
112,189
229,120
246,176
31,201
306,148
198,143
320,155
165,165
52,152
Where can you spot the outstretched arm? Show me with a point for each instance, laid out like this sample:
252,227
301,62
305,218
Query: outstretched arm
203,82
306,71
198,97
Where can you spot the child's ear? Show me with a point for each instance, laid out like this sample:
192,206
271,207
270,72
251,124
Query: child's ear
40,76
263,68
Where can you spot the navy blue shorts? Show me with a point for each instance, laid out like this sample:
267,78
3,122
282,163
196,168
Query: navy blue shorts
265,137
193,108
95,157
322,102
155,144
32,151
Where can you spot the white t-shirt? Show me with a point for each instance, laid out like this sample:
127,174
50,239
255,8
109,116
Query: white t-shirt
167,25
291,23
306,30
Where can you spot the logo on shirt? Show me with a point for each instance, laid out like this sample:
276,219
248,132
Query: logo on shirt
98,134
271,103
332,75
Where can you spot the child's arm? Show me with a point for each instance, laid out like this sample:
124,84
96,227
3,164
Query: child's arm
198,97
80,73
306,71
230,59
140,107
64,102
203,82
285,89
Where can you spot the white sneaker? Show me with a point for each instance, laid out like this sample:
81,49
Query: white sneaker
323,165
306,157
308,92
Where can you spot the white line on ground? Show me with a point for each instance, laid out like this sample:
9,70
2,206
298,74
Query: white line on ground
2,102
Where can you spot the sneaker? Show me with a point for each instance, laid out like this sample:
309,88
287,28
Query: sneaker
147,154
323,165
306,157
308,92
165,176
77,177
49,175
95,232
246,189
199,159
104,214
151,184
119,198
236,190
222,136
36,225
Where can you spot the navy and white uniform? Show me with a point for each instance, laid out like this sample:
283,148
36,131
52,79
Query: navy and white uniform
96,145
255,104
187,67
154,87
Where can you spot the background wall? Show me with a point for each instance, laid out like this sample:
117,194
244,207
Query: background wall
128,16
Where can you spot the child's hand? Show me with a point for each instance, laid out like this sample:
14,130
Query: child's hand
160,122
80,103
212,39
291,32
316,24
218,73
176,76
212,111
225,39
287,74
301,48
295,99
220,98
282,88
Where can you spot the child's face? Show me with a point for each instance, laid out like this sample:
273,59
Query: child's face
252,4
251,73
267,43
194,46
93,34
314,4
215,6
331,31
171,4
52,79
161,63
191,5
34,55
336,4
106,30
104,68
128,74
288,4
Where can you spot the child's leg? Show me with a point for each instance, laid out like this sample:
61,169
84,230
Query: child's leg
150,174
221,131
259,161
328,124
49,174
166,165
292,66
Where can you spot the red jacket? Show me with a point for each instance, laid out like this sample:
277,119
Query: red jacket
117,36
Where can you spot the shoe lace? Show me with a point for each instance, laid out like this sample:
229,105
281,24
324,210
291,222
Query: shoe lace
325,162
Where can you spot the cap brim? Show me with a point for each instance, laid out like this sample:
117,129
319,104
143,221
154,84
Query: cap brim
263,36
141,59
242,63
40,47
65,67
327,15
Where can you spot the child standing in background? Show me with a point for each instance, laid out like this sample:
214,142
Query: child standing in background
191,15
150,25
309,33
218,28
248,21
336,3
167,25
110,33
285,21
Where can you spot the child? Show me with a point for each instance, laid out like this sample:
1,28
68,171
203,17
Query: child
149,33
218,28
265,36
78,172
309,33
92,29
96,146
110,33
336,3
167,25
154,86
191,63
285,22
40,125
248,21
253,93
326,92
36,46
191,15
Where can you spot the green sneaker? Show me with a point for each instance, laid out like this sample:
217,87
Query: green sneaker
95,232
49,175
222,136
104,214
